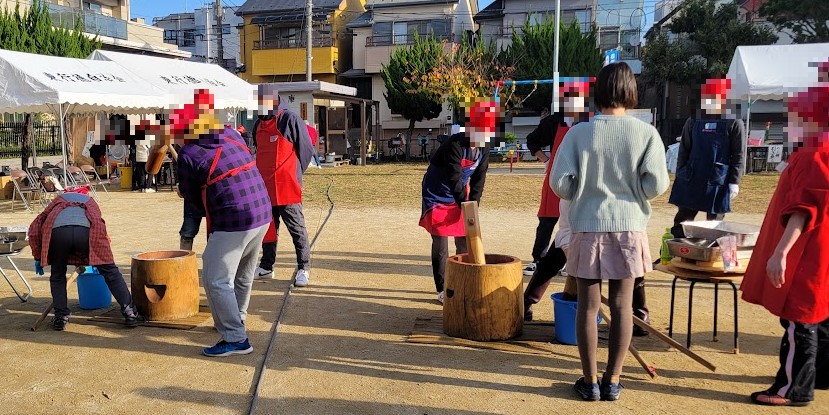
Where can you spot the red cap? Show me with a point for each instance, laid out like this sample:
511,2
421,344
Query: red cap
812,105
182,119
483,116
203,97
581,88
717,86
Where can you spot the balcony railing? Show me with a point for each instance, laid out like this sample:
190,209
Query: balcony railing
386,40
94,23
292,43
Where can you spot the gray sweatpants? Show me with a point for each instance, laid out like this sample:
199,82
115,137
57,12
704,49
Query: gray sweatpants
229,262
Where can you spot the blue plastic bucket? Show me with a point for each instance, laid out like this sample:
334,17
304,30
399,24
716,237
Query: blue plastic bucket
564,313
92,290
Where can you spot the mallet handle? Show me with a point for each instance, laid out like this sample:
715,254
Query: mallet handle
473,233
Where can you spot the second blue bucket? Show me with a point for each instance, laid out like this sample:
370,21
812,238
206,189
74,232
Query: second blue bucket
564,312
93,292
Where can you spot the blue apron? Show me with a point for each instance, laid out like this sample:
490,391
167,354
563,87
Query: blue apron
702,183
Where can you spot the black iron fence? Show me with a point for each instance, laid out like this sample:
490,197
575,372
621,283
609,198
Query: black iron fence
46,139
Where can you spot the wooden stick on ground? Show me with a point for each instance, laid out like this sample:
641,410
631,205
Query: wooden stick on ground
52,305
649,369
473,233
671,342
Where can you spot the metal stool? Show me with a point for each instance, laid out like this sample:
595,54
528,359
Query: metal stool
22,298
713,279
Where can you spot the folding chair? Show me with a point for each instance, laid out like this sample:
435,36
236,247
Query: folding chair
46,195
95,179
24,190
80,179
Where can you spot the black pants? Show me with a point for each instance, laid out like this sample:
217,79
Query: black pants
440,254
139,176
295,222
548,267
192,222
684,215
640,303
804,360
543,235
65,241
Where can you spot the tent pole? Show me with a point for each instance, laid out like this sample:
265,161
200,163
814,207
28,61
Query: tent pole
747,130
555,58
61,116
33,143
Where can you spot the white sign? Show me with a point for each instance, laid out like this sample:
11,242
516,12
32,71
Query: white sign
90,140
645,115
775,154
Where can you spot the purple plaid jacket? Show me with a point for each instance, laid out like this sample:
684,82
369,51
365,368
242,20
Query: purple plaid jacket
234,203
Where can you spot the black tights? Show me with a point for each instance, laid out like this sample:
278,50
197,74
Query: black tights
621,325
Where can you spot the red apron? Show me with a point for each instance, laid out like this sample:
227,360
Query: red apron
549,200
229,173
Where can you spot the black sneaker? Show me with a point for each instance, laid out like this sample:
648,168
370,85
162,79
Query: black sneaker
610,391
639,332
587,392
131,316
59,323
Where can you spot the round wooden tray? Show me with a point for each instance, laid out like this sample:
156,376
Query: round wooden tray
678,262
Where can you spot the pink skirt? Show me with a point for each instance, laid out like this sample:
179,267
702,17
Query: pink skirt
609,255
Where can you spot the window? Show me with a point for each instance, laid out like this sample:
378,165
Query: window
535,19
400,32
189,38
93,7
225,29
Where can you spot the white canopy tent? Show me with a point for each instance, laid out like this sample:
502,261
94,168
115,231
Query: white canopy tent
773,72
40,83
182,78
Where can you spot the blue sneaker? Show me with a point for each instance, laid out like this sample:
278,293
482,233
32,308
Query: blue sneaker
611,391
223,348
587,392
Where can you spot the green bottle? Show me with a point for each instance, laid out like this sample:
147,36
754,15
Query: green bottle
665,254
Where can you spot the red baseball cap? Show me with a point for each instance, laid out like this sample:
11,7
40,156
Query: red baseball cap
483,116
718,87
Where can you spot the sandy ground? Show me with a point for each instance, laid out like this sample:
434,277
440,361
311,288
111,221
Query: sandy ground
341,347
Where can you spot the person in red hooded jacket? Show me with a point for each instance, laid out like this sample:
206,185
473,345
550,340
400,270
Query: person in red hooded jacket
283,153
789,271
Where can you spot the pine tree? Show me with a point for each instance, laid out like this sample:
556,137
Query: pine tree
34,32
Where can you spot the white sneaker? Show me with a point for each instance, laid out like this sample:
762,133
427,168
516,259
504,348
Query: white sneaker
262,274
150,190
302,278
529,270
440,297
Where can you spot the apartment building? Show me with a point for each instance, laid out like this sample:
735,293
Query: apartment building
389,24
187,32
619,22
273,40
110,21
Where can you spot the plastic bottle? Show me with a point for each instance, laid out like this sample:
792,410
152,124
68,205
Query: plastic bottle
665,256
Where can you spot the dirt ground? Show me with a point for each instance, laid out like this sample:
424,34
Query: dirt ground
341,347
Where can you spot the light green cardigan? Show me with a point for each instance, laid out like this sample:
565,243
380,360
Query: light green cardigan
609,169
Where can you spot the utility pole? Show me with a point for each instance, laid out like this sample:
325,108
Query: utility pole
207,33
221,49
309,39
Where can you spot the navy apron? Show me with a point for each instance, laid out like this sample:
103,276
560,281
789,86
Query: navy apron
702,183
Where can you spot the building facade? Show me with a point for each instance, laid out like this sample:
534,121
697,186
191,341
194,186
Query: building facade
273,40
389,24
110,21
187,31
619,22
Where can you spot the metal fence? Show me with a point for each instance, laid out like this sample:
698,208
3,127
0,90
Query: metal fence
46,139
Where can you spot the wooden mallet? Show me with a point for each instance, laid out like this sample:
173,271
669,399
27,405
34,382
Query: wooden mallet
473,234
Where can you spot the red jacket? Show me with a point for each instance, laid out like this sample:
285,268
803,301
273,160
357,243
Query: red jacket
283,152
803,188
40,234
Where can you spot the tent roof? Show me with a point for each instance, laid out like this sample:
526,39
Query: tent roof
38,83
181,78
775,71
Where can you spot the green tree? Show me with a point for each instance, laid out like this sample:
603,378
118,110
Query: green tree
716,31
34,32
403,77
804,20
533,53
